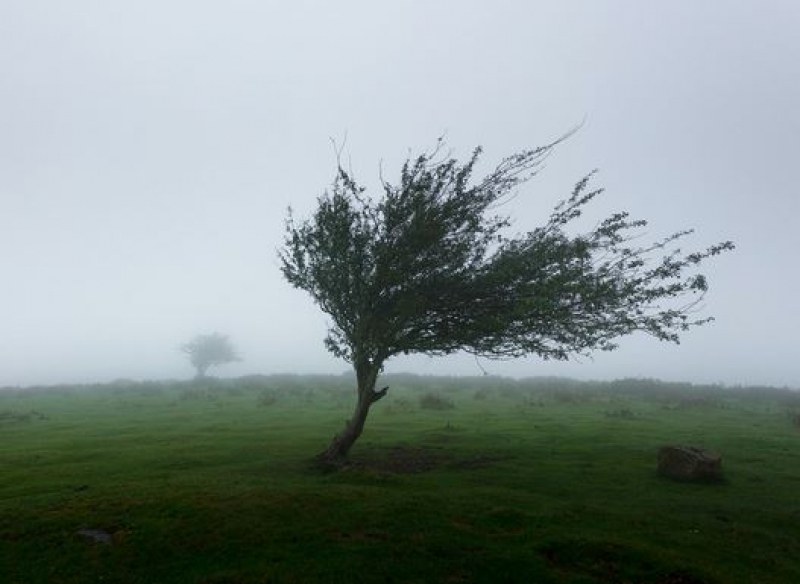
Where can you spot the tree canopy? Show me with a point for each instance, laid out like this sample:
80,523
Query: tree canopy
210,350
428,266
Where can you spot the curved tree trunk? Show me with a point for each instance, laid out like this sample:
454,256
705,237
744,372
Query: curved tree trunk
337,451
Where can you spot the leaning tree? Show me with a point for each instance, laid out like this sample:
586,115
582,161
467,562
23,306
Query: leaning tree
210,350
427,267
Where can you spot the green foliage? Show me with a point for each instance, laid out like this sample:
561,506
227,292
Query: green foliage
621,413
266,398
433,401
11,416
427,267
206,351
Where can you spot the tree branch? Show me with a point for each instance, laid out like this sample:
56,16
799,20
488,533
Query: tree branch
376,395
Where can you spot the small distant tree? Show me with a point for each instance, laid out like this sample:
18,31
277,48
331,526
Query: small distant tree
427,267
206,351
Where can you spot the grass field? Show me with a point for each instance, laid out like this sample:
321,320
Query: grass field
454,480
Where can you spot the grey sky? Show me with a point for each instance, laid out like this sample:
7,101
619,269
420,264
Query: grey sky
148,151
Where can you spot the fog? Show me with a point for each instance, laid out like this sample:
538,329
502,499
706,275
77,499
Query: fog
149,150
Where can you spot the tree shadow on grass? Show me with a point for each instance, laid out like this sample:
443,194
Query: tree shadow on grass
408,459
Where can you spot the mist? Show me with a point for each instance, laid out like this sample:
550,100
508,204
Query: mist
149,153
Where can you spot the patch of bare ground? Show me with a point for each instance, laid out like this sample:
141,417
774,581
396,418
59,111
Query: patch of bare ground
361,536
406,459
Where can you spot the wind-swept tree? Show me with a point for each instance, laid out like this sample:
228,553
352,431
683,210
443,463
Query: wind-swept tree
206,351
427,267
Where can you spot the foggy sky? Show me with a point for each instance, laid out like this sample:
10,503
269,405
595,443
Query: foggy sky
149,150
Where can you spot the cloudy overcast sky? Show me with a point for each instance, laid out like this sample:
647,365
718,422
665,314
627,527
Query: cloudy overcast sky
149,150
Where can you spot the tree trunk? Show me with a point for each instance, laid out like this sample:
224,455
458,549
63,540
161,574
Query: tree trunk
336,453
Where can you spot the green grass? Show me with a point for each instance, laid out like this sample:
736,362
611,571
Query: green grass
534,481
